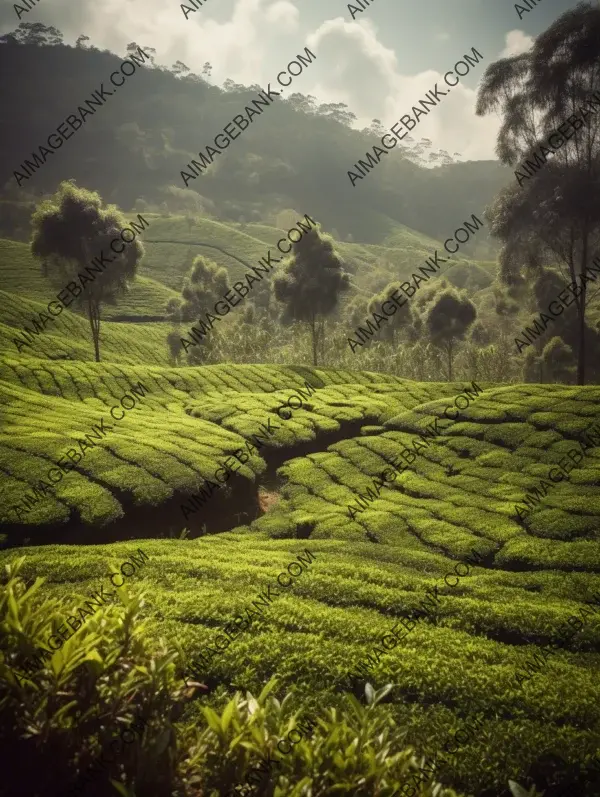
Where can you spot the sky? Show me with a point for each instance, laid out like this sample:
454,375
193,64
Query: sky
380,63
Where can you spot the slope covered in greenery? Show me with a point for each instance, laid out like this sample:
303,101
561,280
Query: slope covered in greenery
21,275
67,336
485,462
188,421
371,572
26,291
166,264
159,119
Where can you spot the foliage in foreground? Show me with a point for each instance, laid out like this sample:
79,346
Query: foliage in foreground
53,727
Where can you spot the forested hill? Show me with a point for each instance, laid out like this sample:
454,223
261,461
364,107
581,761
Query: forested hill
297,155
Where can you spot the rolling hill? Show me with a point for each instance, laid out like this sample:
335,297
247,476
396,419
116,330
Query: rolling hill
314,482
457,495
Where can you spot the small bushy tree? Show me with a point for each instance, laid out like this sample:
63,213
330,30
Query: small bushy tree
202,288
533,367
558,361
448,322
310,284
69,230
405,323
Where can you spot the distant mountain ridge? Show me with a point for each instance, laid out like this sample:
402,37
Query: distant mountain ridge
134,148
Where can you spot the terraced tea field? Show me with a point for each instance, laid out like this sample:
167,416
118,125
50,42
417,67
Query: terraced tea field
373,567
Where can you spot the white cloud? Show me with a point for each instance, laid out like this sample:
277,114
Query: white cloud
235,46
284,14
517,43
354,64
357,69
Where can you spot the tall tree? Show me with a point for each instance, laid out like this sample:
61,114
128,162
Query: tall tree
310,284
133,47
404,321
299,102
179,68
202,288
552,215
337,111
448,322
71,229
34,33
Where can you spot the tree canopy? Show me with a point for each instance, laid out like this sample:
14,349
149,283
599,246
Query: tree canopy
310,282
70,230
551,214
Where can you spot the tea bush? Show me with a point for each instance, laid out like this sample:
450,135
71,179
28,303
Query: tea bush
55,725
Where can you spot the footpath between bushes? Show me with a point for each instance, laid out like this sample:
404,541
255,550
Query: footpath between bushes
198,500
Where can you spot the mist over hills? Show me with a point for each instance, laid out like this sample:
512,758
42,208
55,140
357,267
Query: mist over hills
298,156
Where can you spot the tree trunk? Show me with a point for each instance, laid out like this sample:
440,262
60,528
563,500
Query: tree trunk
450,362
93,310
97,336
94,317
580,303
314,334
581,342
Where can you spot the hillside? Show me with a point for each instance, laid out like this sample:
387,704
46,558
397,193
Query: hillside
350,492
312,481
22,276
195,418
68,337
26,292
165,264
161,119
458,495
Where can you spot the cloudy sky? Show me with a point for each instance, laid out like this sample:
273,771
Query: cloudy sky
379,64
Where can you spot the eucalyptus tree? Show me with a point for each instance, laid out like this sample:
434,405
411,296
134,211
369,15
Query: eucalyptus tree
403,323
448,321
203,287
69,229
310,283
551,213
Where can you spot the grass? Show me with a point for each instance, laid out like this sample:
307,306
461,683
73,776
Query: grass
68,336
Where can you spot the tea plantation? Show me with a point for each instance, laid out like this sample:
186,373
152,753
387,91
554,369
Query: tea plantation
372,567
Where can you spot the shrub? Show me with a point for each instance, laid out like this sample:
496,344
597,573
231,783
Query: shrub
55,728
350,751
103,680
